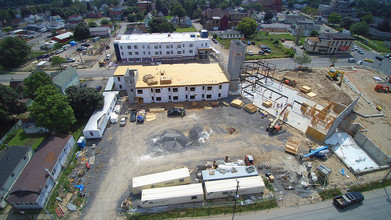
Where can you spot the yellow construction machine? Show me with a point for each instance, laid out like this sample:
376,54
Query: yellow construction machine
275,126
333,74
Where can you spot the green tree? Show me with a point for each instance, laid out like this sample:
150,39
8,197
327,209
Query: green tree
92,24
247,26
81,31
84,101
334,18
160,25
368,18
303,59
51,110
66,3
347,22
34,81
224,5
104,21
13,52
131,17
361,28
162,6
178,10
255,7
314,33
8,103
57,61
268,16
197,13
69,12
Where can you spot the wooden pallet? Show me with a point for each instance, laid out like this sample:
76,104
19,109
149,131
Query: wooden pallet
292,147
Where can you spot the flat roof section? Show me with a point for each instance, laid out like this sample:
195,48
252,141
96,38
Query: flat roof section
230,184
172,192
181,74
219,174
160,177
161,38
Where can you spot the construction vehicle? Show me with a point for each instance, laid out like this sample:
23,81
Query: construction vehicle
274,126
382,88
320,152
249,160
388,79
289,81
333,74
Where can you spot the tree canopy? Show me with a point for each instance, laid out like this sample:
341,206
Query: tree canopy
51,110
160,25
104,21
247,26
34,81
57,61
334,18
178,10
8,103
368,18
268,15
84,101
347,22
361,28
81,31
92,24
13,52
303,59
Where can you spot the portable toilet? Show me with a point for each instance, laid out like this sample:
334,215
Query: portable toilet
81,142
72,43
204,34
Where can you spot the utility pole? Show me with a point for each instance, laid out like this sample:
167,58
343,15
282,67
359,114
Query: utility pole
236,198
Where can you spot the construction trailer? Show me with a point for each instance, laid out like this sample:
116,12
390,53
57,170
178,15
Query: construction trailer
172,195
237,172
227,188
163,179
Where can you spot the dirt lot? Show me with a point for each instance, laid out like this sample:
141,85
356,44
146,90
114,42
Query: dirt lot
139,149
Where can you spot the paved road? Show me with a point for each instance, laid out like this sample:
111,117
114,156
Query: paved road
377,205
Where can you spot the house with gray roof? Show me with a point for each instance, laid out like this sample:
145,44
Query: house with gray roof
100,32
65,79
12,162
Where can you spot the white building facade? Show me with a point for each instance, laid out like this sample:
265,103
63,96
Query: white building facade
165,47
333,43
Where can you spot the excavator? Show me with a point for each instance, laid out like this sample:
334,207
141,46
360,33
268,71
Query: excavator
333,74
382,88
274,126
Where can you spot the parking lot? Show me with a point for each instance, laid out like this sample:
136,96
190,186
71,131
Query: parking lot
201,136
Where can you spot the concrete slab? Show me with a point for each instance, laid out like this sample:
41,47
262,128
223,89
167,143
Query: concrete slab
348,151
270,92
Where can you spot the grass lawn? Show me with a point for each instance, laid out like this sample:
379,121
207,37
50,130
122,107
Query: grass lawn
374,44
189,29
362,45
22,138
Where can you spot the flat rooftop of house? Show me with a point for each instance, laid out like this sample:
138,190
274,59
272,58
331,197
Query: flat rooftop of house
180,74
161,37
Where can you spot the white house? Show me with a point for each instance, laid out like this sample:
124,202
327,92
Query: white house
33,187
172,83
230,34
12,162
100,31
165,47
172,195
98,121
330,43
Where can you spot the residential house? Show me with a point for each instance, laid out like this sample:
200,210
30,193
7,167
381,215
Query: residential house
171,47
39,177
230,34
216,19
147,19
146,5
75,19
304,28
331,43
172,82
55,25
342,7
117,13
100,32
97,123
62,38
93,14
293,18
12,162
65,79
272,5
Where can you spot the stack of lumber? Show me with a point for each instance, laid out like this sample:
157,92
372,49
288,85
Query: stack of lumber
150,116
250,108
152,81
291,147
267,103
165,80
148,76
154,110
237,103
215,104
305,89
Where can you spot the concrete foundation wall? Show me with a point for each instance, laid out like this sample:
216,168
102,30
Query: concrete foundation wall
381,158
350,128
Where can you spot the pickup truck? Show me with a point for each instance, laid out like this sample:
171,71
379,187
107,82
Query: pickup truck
348,199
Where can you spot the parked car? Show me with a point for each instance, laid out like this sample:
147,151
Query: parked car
359,62
176,112
59,51
70,60
81,48
252,43
387,55
261,52
267,50
133,115
214,40
348,199
123,121
250,53
352,60
86,45
360,52
368,60
379,58
98,88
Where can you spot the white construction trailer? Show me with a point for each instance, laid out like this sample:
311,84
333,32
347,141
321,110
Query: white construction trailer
227,188
172,195
163,179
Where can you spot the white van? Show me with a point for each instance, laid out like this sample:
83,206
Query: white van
108,56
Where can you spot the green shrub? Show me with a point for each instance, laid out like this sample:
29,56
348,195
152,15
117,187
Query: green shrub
328,194
290,52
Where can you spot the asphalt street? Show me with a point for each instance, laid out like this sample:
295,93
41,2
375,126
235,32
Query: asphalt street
377,205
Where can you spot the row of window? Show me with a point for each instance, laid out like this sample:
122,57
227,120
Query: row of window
192,89
157,52
175,98
341,42
157,46
25,203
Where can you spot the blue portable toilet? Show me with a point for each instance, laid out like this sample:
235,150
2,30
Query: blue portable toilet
204,34
72,43
82,142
